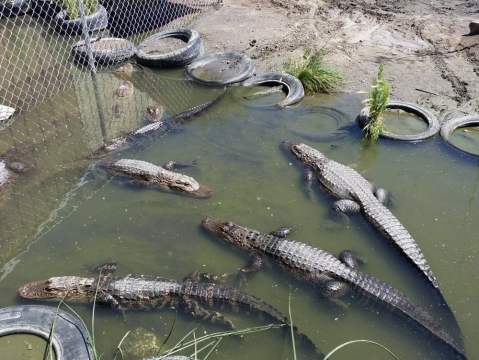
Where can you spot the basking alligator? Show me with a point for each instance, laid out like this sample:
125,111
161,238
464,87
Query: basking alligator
356,194
163,177
324,269
139,292
157,128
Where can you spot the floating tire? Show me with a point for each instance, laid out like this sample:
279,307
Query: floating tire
429,118
14,8
69,338
452,125
105,51
95,22
147,55
221,69
291,86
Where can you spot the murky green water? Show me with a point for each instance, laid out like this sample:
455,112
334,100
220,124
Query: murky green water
435,194
23,347
401,122
467,138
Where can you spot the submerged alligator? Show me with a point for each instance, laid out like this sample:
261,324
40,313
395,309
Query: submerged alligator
157,128
139,292
322,268
145,173
356,194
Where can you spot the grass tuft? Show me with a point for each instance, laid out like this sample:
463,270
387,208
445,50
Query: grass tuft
339,347
313,73
291,327
377,103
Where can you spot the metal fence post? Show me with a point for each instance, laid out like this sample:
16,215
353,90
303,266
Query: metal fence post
91,64
86,36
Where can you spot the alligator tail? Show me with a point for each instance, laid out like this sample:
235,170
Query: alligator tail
235,298
395,299
384,220
196,110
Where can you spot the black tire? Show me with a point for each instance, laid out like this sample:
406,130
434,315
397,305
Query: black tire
245,70
15,8
451,125
429,118
291,86
105,51
69,338
95,22
176,58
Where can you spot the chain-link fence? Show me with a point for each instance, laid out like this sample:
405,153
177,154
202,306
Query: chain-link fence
66,109
36,38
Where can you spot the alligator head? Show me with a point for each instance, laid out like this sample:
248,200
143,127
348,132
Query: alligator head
304,153
230,232
63,287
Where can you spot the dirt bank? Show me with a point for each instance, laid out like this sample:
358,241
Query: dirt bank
421,43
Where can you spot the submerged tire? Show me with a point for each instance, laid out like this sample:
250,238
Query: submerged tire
69,338
105,51
451,125
429,118
179,57
95,22
218,65
291,86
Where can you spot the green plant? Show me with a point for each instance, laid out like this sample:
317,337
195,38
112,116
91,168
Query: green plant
313,73
291,327
73,10
377,103
337,348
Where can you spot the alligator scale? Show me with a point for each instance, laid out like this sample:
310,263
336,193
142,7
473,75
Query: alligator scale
356,194
325,270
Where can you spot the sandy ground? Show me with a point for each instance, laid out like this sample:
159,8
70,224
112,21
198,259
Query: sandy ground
421,43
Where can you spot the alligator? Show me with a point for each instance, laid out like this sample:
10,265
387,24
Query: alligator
356,195
333,276
145,173
154,129
140,292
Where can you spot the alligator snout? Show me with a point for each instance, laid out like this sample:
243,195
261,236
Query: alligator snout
212,225
286,145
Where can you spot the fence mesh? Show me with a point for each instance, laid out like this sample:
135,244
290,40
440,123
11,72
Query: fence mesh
64,111
36,38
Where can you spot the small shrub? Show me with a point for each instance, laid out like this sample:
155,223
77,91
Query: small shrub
71,6
377,103
313,73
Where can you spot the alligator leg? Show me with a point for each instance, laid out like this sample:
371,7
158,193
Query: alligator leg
346,206
110,300
308,178
283,231
197,276
350,259
255,264
172,165
382,195
105,269
332,288
193,308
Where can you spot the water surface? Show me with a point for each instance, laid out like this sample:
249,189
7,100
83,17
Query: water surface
435,195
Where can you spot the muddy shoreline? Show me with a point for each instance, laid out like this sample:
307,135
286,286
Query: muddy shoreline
422,44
